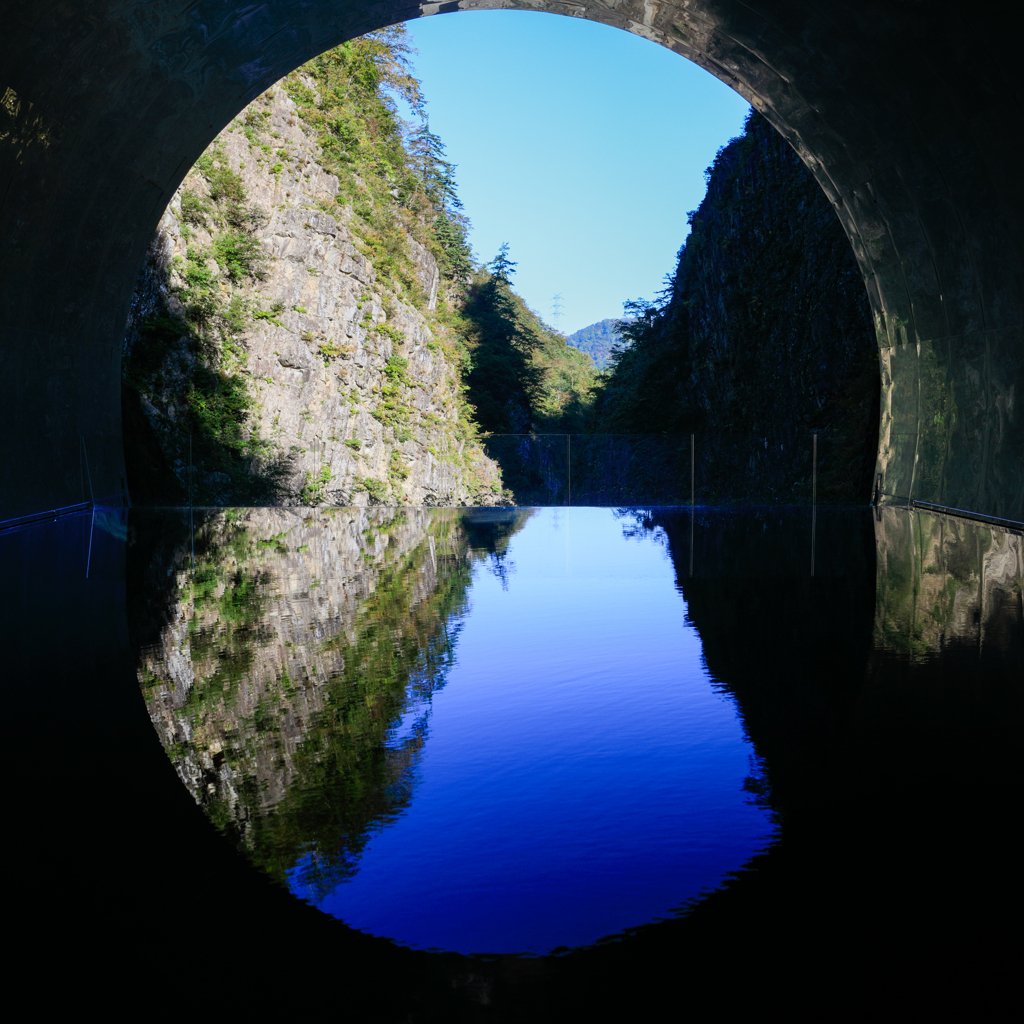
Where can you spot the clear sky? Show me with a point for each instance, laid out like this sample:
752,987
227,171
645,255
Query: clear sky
582,146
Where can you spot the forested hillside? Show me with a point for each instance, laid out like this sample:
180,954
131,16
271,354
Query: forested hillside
762,337
597,341
310,326
522,376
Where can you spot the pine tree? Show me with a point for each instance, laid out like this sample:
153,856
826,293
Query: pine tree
435,173
501,267
456,259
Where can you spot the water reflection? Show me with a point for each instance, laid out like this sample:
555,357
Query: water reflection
582,775
492,729
944,581
289,653
893,770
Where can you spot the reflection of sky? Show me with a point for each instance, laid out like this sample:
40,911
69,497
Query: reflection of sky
580,775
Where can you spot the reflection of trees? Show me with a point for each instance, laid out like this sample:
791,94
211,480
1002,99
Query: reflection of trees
489,532
289,658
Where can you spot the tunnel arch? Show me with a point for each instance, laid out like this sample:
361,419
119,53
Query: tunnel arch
909,133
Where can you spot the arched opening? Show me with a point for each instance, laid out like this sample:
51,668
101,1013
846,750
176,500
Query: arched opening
310,297
925,199
104,113
201,738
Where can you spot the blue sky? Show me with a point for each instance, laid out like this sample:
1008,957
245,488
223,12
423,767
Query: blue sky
582,146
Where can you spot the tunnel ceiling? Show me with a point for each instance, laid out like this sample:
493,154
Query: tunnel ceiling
906,111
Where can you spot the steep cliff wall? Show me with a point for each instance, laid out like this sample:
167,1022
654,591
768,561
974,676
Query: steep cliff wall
764,337
286,347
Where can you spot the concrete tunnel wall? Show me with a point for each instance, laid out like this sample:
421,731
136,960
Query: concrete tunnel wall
907,112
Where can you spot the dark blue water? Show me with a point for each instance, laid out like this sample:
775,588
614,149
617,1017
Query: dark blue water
582,772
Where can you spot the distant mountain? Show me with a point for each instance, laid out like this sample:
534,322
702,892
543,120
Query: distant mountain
596,340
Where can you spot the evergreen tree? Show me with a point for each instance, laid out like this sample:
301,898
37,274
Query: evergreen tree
456,257
501,267
436,174
503,381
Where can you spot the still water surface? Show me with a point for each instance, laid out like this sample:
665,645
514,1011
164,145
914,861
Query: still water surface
308,674
517,730
582,774
539,758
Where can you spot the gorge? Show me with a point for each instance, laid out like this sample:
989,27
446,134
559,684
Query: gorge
296,329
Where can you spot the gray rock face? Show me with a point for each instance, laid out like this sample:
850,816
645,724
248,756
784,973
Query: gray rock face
325,329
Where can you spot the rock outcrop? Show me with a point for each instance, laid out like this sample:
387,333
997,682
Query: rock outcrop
329,386
764,338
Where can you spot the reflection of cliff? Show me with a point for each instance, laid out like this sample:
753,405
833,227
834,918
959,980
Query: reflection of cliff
867,687
943,580
290,684
792,649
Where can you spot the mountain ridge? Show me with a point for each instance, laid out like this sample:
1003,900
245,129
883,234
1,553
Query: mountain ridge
596,340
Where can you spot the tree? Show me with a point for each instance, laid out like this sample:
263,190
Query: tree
435,173
501,267
504,380
456,260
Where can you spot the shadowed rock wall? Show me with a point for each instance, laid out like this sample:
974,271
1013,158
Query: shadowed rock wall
903,111
765,339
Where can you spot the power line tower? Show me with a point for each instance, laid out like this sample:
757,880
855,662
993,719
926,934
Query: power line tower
557,309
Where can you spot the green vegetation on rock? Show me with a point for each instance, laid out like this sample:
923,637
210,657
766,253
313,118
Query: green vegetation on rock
220,324
185,357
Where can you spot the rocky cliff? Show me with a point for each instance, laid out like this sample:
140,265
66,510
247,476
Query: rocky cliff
763,338
283,345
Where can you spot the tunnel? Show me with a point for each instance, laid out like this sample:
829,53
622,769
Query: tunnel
907,113
904,112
